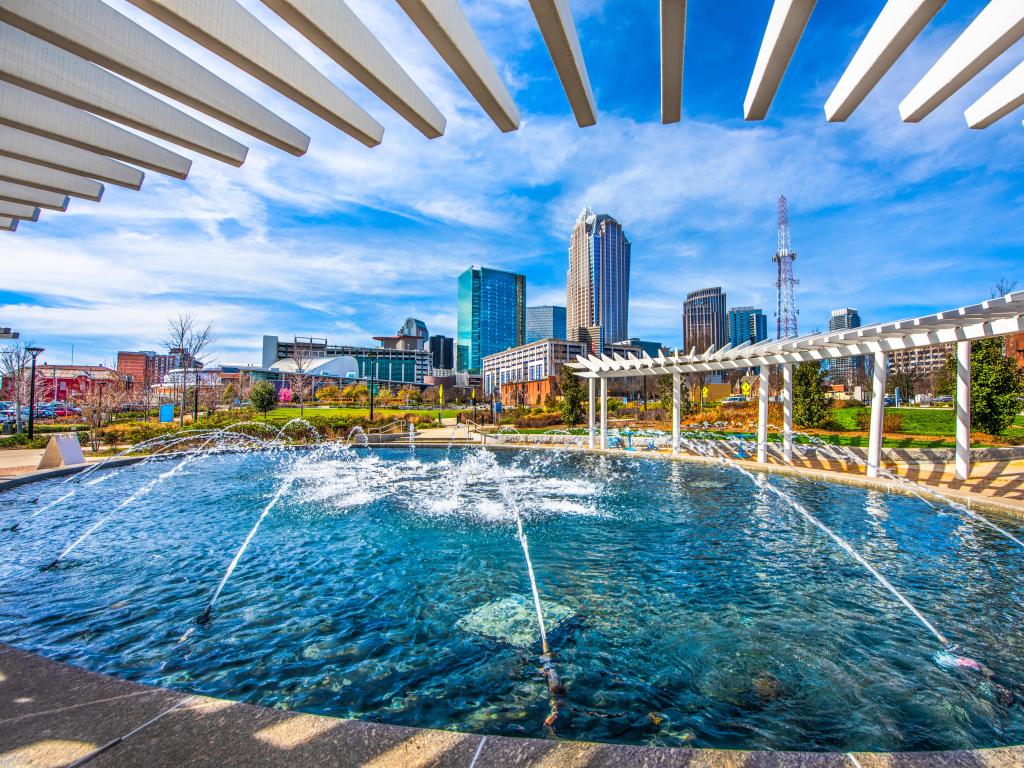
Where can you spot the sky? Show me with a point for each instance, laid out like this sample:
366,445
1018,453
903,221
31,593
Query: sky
346,242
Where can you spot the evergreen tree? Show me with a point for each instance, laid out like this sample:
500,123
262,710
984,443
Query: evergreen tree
997,386
811,404
572,398
264,397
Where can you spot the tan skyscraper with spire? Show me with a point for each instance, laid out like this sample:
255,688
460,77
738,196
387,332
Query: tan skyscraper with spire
597,283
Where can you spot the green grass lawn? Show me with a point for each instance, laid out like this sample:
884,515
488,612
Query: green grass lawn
940,422
292,412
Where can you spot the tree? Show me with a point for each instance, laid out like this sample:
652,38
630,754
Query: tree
665,395
328,394
230,394
811,404
16,373
264,397
907,379
997,385
188,341
572,398
96,403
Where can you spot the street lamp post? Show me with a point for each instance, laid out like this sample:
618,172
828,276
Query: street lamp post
35,352
373,381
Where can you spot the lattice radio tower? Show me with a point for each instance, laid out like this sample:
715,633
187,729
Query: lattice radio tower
786,311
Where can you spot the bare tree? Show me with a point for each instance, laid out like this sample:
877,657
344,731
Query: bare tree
299,382
97,403
1002,287
187,340
16,372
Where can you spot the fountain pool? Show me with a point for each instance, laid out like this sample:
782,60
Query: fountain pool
685,604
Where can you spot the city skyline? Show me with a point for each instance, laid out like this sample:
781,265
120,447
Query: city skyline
875,203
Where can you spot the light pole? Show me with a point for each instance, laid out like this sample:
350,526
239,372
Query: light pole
35,352
373,380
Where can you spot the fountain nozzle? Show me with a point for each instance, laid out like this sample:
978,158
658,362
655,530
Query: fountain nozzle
547,668
204,618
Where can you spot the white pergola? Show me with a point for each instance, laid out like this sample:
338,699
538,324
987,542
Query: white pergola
71,71
996,317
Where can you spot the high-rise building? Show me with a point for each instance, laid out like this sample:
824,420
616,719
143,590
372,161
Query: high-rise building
442,353
844,370
747,324
492,315
704,323
545,323
597,284
144,369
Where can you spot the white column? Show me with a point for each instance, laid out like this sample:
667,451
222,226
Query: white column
787,412
604,414
878,378
676,391
762,416
963,410
592,390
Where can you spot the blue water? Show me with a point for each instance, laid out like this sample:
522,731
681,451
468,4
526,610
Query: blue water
706,612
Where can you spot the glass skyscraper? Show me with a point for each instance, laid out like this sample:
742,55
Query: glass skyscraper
747,324
545,323
597,284
492,315
704,320
844,370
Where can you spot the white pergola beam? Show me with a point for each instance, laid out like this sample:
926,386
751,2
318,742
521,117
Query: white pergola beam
51,119
785,28
38,66
19,211
98,33
42,151
32,175
19,193
999,101
333,28
234,34
447,29
554,17
673,45
999,25
8,224
876,432
896,27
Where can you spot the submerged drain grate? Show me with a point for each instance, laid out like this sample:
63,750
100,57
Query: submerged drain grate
513,620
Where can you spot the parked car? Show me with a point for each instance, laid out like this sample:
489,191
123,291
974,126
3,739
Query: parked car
735,399
943,399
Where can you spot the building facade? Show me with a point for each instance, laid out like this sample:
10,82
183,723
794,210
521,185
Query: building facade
845,370
704,320
387,365
747,324
922,360
145,369
545,323
442,354
597,283
529,362
491,315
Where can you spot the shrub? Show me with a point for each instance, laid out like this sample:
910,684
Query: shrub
891,422
533,421
132,433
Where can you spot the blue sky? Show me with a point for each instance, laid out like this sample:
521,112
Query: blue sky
346,241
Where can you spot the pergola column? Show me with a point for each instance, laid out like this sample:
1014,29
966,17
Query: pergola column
592,391
604,414
878,378
787,413
676,392
963,410
762,416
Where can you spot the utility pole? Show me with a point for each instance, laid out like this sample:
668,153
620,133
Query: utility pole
786,311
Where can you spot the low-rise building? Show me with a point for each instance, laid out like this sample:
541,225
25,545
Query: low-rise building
923,360
535,362
384,364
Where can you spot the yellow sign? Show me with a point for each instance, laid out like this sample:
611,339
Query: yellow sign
746,387
440,393
472,395
704,392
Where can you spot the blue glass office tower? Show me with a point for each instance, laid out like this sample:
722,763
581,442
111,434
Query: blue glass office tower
747,324
545,323
492,315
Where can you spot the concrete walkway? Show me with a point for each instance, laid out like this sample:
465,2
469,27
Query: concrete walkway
53,715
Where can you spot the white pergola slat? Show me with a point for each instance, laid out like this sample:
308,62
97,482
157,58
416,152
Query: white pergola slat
673,46
554,17
38,66
19,211
98,33
999,101
446,28
20,193
8,224
74,127
896,27
234,34
42,151
333,28
32,175
998,26
785,28
988,319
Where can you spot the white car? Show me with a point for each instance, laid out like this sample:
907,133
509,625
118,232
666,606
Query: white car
735,399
